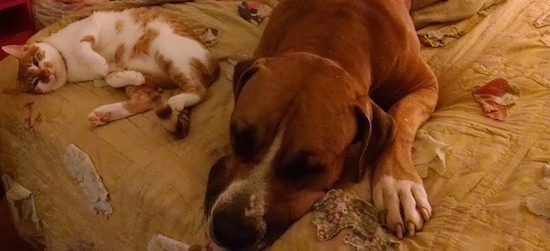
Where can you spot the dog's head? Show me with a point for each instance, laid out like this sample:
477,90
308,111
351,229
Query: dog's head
293,120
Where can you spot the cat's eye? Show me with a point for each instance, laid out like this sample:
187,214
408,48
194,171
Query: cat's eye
35,61
35,83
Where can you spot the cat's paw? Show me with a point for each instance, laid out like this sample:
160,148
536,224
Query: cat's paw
183,100
103,67
107,113
98,118
124,78
97,64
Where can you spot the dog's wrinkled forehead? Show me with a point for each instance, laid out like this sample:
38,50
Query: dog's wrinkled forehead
313,128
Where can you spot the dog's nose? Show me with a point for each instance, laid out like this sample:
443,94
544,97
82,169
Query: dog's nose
232,230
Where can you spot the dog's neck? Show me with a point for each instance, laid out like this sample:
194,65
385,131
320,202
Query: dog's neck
315,57
330,63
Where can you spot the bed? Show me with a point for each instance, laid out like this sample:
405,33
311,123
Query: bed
129,185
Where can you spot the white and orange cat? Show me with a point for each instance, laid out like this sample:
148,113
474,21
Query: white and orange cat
142,49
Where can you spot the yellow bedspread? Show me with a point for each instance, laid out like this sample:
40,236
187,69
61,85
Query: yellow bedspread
486,183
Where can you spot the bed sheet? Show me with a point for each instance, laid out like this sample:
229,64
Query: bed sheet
485,178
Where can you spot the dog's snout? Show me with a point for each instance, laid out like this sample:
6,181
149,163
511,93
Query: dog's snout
237,218
234,231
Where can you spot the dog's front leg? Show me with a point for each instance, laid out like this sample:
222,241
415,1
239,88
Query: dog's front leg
398,191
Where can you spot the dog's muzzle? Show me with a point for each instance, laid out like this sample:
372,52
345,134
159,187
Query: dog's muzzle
236,220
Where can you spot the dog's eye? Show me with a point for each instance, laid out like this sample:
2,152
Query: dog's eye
35,61
301,166
303,172
243,140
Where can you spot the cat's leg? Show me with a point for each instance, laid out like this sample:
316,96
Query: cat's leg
121,78
193,78
142,99
95,62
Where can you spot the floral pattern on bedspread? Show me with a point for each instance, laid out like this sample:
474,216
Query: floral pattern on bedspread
339,210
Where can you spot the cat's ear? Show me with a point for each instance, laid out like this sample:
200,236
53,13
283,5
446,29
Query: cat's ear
242,73
16,50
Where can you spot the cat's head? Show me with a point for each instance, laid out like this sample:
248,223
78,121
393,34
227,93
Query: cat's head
41,67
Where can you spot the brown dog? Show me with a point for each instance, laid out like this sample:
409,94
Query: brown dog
326,74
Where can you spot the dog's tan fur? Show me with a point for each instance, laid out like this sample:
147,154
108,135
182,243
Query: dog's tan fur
334,73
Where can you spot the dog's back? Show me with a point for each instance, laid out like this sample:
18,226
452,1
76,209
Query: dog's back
348,32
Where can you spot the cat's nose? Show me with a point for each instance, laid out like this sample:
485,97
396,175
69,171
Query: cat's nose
46,73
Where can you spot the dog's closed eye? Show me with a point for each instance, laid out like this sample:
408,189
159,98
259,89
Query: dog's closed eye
301,166
243,140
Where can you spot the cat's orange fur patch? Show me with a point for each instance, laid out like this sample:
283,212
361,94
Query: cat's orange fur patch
90,39
141,98
119,25
143,45
164,64
207,73
119,52
39,55
145,16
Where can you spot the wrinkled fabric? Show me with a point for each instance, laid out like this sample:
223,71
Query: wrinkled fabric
441,22
539,202
157,185
429,153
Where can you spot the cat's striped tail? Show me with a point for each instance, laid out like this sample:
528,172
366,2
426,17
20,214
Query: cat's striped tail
177,123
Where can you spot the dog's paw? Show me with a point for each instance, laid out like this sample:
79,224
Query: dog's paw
124,78
402,205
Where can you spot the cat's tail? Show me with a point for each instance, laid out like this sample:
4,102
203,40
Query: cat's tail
175,122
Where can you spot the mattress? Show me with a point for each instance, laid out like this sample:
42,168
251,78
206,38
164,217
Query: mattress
116,187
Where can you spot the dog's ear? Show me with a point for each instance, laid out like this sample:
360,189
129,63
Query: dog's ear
375,130
243,71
